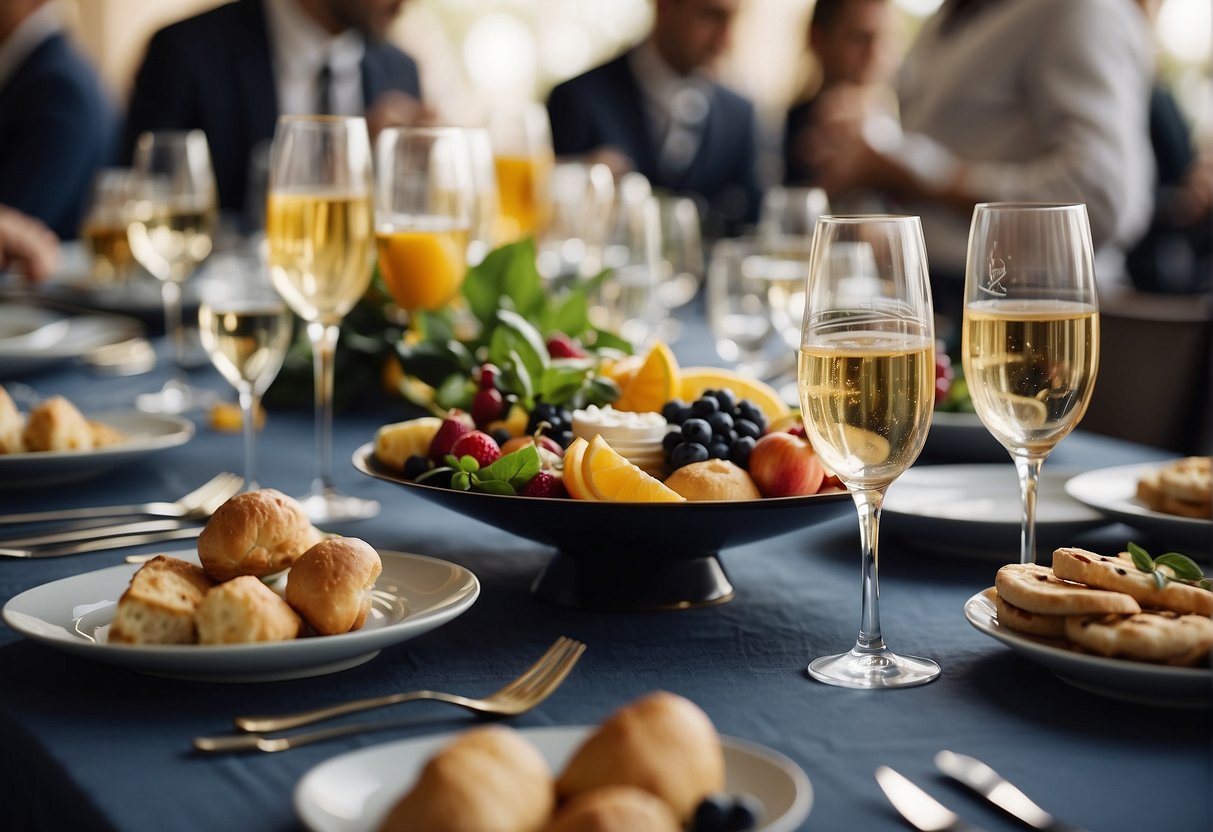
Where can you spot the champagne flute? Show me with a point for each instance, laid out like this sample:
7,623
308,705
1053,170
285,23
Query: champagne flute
245,329
523,157
867,384
736,301
1030,339
628,300
424,201
172,216
320,233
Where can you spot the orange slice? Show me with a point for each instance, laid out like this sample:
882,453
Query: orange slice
573,482
654,384
613,478
765,397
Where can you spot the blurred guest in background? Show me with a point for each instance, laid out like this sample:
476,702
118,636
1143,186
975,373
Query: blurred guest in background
853,42
232,70
26,245
1005,100
656,109
56,125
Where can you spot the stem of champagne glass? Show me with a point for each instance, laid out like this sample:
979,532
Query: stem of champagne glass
869,503
324,349
1028,466
248,418
170,292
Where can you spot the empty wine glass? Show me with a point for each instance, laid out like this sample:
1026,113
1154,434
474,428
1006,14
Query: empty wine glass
571,245
682,248
786,225
320,231
628,300
245,329
737,313
172,214
1030,340
867,385
484,190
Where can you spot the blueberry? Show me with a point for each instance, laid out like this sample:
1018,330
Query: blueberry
674,411
415,466
686,453
721,423
718,450
726,400
712,814
739,451
696,430
704,407
746,409
671,440
564,438
747,428
501,436
743,814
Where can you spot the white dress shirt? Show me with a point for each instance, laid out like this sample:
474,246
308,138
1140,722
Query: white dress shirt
28,36
300,48
676,106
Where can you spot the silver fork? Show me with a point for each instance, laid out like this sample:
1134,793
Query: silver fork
535,685
193,504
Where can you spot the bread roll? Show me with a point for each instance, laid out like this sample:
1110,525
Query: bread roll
713,479
330,584
56,425
488,780
244,610
104,435
661,743
255,533
12,425
158,606
615,809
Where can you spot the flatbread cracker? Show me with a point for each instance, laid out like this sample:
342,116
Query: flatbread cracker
1031,623
1153,636
1189,480
1120,575
1035,588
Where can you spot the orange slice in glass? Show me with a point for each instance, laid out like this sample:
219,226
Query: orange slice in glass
612,478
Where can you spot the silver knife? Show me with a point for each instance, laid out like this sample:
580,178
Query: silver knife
989,784
103,543
93,532
916,806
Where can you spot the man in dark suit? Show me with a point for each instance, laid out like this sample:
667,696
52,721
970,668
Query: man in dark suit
56,124
655,109
227,72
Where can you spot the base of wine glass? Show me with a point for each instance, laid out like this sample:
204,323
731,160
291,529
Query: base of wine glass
331,506
176,396
872,670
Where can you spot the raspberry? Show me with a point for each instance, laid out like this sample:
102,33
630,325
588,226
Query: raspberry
479,446
487,405
562,346
455,425
545,484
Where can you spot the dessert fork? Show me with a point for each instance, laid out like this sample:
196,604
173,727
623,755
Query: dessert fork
200,502
535,685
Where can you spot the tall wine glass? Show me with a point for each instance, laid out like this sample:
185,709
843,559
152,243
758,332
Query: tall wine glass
321,236
522,149
424,199
1030,340
867,383
484,186
736,302
245,329
171,224
785,228
103,230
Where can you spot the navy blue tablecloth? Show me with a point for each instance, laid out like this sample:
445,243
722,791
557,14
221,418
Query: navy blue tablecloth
88,746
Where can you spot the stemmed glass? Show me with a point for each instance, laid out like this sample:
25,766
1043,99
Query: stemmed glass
424,200
484,186
104,228
321,238
522,150
737,306
785,228
867,382
171,217
628,300
245,329
1030,340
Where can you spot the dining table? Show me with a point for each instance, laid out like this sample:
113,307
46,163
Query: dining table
89,745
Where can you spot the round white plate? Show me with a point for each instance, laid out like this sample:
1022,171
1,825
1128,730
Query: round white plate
961,437
413,595
975,510
1113,491
146,433
56,339
353,792
1154,684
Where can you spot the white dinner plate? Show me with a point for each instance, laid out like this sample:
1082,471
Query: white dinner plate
146,433
54,339
961,437
975,510
1153,684
353,792
413,595
1113,491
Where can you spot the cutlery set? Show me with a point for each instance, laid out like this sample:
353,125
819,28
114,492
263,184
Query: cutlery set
929,815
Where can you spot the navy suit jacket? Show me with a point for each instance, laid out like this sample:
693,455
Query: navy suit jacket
56,128
603,107
214,72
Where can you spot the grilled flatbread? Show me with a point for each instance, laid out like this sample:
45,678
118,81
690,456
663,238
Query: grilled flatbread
1031,623
1153,636
1036,589
1120,575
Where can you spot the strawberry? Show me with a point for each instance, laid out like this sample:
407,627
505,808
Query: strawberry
545,484
561,345
487,405
456,424
479,446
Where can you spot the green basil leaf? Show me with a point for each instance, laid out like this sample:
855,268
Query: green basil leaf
430,362
517,468
522,337
434,326
521,280
568,312
456,390
1141,558
494,487
461,481
600,391
1182,566
557,384
609,340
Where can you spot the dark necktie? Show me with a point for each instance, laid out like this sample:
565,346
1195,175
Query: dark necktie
324,90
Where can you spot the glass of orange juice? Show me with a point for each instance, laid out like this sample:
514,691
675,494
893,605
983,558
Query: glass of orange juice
523,158
424,199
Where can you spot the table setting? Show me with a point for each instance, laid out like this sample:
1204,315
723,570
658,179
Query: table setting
552,616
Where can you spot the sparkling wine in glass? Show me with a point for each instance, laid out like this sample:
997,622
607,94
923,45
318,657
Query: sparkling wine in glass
103,231
321,238
1030,339
245,329
171,218
867,383
424,203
